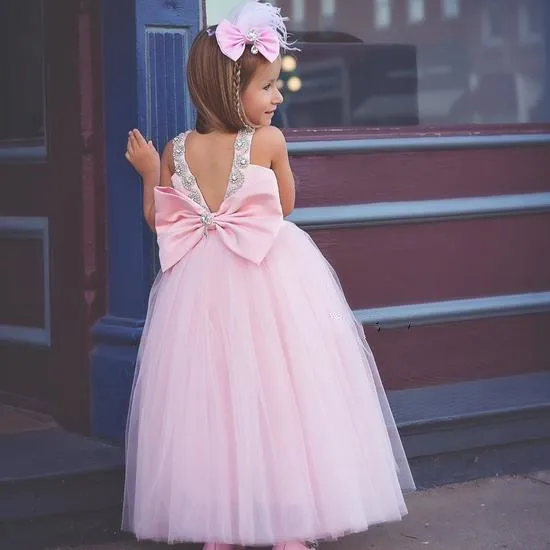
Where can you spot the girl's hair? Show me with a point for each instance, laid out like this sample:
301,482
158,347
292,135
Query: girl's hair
216,84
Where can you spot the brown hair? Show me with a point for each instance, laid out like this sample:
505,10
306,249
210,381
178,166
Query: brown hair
216,83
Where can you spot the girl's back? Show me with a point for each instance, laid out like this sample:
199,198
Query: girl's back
210,158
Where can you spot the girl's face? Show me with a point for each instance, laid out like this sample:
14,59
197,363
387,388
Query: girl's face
261,97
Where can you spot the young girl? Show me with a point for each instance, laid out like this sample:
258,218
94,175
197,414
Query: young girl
257,414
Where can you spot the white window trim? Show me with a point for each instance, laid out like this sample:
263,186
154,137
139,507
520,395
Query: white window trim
328,12
488,38
450,9
298,13
416,17
328,8
385,5
526,35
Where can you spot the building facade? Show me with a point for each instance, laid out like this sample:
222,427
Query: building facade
419,132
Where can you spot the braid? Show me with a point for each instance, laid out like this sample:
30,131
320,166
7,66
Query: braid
237,92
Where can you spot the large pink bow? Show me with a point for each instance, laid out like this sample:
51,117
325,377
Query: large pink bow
247,224
232,41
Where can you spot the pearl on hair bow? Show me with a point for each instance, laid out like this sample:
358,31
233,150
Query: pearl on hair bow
232,41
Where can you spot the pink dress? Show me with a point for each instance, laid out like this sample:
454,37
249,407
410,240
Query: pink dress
257,412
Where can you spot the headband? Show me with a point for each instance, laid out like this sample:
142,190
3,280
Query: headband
257,24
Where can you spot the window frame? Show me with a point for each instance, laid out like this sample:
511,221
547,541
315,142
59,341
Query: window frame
526,34
447,13
30,148
522,132
299,19
386,5
415,17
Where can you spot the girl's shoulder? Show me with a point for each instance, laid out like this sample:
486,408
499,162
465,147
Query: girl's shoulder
268,145
270,136
269,141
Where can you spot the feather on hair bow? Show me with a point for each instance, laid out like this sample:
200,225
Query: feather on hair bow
232,41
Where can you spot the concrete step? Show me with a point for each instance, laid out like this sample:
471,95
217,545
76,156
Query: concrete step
56,486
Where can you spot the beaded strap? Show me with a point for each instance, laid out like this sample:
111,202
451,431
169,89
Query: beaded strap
187,179
241,160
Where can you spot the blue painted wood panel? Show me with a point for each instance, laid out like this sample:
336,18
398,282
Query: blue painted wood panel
145,48
168,105
165,31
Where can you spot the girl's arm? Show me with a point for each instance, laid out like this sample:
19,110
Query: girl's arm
270,151
166,171
280,164
143,156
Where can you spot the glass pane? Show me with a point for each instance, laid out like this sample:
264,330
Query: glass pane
382,14
416,11
21,70
412,62
451,8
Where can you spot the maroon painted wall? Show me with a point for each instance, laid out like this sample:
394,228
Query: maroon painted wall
66,187
391,265
379,177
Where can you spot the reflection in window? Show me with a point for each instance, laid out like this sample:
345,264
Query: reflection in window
416,11
382,13
450,8
492,23
530,22
21,70
328,9
406,75
298,12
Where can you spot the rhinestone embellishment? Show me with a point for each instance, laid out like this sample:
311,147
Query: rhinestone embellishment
241,161
182,170
207,218
252,37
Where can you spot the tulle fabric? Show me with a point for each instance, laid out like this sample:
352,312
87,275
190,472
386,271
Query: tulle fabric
257,413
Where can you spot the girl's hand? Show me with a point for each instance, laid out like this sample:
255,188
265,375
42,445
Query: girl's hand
142,155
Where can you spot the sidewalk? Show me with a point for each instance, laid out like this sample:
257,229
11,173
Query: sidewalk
511,513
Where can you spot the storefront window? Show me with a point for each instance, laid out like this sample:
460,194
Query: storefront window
450,8
382,14
298,13
416,11
21,73
377,63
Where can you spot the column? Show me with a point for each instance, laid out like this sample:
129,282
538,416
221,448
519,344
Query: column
145,47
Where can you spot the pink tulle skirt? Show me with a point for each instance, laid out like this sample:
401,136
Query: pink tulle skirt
257,413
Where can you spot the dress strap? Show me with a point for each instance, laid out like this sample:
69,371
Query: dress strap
186,180
241,160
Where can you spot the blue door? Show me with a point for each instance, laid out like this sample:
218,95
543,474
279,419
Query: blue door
146,43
